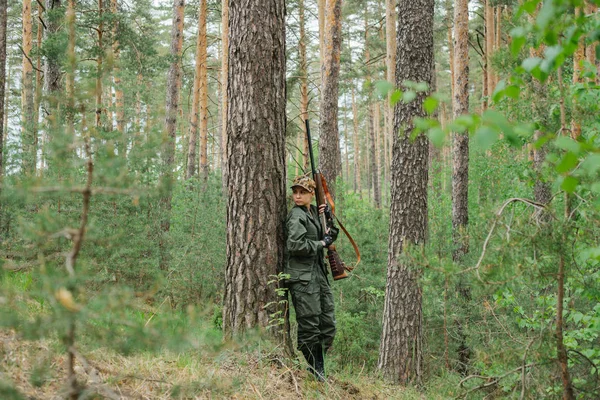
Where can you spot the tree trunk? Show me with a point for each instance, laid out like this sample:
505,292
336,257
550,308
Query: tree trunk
224,101
330,159
28,139
119,102
168,146
390,41
460,104
200,91
303,88
590,50
71,65
374,171
38,79
203,92
401,350
52,74
489,45
357,183
256,123
99,72
3,116
578,57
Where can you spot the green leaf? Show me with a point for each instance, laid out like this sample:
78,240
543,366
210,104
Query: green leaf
517,44
421,87
485,137
567,163
529,6
430,104
566,143
395,97
384,87
530,63
437,136
591,164
569,184
545,15
409,96
499,91
513,91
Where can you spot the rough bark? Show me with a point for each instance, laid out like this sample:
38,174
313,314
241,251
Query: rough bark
460,150
3,24
28,138
256,124
168,146
224,89
199,100
401,350
330,159
590,50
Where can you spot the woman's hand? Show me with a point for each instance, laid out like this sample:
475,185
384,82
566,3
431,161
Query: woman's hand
322,208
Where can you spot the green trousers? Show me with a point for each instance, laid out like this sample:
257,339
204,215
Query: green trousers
313,302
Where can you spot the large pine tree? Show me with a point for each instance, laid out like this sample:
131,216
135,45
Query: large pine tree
256,162
401,350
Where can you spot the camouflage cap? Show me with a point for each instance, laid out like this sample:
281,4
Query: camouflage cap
304,182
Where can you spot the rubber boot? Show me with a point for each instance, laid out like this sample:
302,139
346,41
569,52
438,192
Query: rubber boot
314,358
319,363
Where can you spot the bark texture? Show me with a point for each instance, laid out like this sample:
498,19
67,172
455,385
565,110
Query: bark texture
330,159
256,163
199,100
28,138
168,145
401,350
460,147
224,88
119,99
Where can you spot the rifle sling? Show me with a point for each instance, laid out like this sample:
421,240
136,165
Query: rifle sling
330,201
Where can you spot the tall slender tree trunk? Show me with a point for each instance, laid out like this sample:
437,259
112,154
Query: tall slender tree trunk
38,79
3,116
489,45
224,77
200,92
119,101
374,171
28,138
401,349
460,104
203,92
71,65
99,69
256,124
168,147
52,73
321,5
460,164
330,161
303,87
357,157
390,59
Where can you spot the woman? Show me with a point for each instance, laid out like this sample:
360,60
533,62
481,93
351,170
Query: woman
308,282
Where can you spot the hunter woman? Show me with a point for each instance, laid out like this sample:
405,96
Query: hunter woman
308,282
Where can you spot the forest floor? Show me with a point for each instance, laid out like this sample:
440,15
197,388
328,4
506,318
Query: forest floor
38,370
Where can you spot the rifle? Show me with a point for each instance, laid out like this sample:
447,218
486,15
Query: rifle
338,267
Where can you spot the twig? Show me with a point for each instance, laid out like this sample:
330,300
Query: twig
28,59
523,371
491,382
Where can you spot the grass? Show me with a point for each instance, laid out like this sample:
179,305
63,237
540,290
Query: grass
37,369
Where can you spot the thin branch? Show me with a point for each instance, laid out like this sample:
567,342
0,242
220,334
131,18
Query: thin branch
491,382
28,59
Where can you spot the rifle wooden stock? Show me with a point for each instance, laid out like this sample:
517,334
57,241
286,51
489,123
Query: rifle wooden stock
338,268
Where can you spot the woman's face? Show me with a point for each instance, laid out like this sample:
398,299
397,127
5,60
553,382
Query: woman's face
301,196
